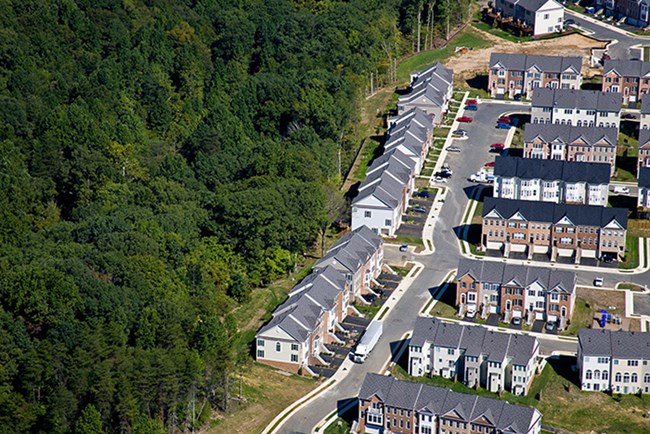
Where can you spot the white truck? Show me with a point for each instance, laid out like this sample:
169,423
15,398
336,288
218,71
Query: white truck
482,176
368,341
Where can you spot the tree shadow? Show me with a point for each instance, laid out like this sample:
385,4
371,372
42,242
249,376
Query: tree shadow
563,366
620,201
470,233
478,82
513,152
591,86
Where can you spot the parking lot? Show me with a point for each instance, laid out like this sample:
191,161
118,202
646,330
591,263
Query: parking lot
413,222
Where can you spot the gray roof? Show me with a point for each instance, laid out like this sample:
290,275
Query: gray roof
501,273
352,250
321,287
644,136
432,83
600,136
574,98
618,344
474,340
580,215
552,170
524,62
437,400
298,322
645,106
385,189
644,177
530,5
627,68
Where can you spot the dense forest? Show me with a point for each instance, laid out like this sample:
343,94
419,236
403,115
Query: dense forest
160,159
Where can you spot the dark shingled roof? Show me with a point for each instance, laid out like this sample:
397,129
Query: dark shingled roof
552,170
517,419
645,106
581,215
568,134
574,98
523,62
627,68
618,344
644,136
644,177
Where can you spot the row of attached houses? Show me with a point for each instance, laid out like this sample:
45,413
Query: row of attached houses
384,195
644,149
588,108
544,16
571,231
631,78
389,405
519,74
570,143
516,291
473,355
307,321
614,361
551,181
431,90
643,203
634,12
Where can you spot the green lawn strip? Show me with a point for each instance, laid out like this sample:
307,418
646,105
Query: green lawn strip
563,405
369,311
444,307
369,148
339,426
582,317
403,239
631,286
466,38
631,258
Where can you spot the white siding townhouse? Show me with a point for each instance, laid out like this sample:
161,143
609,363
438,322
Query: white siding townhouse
614,361
643,203
473,355
587,108
516,73
545,16
384,195
645,114
644,149
430,90
551,181
301,327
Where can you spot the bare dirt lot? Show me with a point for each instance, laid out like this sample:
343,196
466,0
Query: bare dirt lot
614,302
475,62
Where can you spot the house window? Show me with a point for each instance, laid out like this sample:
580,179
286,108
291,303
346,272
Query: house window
588,376
388,222
278,347
294,358
260,354
367,214
618,377
294,347
260,342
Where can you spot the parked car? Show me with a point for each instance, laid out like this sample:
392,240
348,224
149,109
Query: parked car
404,248
569,22
598,281
517,97
419,209
453,149
424,194
471,311
628,116
471,107
466,119
443,174
505,120
550,326
516,321
489,164
471,102
459,133
621,189
439,179
503,126
498,146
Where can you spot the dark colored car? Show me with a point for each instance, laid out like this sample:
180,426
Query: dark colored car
419,209
471,107
517,97
443,174
516,321
503,126
403,248
489,164
628,116
569,22
425,194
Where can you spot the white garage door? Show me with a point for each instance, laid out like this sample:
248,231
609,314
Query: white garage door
588,253
518,247
540,249
565,252
494,245
539,315
516,313
501,90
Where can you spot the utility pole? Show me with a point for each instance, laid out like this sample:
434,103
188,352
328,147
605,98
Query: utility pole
419,26
372,87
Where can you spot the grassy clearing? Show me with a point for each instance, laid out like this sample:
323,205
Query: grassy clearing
369,311
262,402
563,405
403,239
503,34
466,38
403,271
444,307
339,426
367,155
583,315
631,258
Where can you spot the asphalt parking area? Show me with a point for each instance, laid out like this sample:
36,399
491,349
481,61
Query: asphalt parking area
492,319
410,230
538,326
515,326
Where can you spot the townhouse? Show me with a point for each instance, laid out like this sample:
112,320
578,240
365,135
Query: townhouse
633,12
551,181
645,114
387,404
473,355
519,74
587,108
430,90
384,195
569,143
302,326
544,16
631,78
516,291
616,361
570,231
643,201
644,149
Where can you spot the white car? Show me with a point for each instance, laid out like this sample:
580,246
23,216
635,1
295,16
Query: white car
598,281
621,190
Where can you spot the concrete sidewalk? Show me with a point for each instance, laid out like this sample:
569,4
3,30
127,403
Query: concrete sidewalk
605,24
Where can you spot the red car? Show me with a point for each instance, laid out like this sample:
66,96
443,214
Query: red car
497,146
490,164
464,119
504,120
471,102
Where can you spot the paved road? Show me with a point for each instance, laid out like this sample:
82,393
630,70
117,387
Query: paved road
401,318
618,50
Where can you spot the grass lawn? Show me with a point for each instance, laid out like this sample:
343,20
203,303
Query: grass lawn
583,314
518,139
367,155
563,405
403,271
482,25
631,286
445,305
403,239
466,38
631,258
369,311
339,426
262,403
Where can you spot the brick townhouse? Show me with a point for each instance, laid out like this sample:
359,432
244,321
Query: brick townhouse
514,74
531,293
569,143
631,78
616,361
551,181
523,229
473,355
644,149
389,405
633,12
587,108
